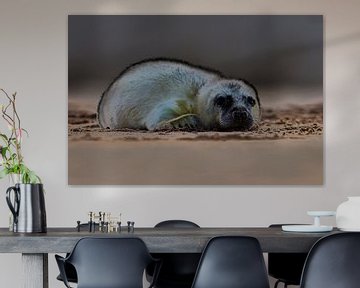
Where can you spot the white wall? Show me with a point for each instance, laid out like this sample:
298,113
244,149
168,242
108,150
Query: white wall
33,62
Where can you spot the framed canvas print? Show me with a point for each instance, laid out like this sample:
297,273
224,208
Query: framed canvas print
195,100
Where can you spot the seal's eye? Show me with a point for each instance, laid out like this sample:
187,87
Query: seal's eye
224,101
251,101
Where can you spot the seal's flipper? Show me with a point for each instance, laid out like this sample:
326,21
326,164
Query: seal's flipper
173,114
185,116
186,121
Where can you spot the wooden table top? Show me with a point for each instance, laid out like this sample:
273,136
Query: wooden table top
158,240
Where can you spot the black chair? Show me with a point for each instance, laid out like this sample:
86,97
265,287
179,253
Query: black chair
178,269
232,262
108,263
333,262
286,267
70,273
69,269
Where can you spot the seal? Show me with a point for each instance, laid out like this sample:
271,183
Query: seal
168,94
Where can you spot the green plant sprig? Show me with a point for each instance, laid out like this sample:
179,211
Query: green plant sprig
12,160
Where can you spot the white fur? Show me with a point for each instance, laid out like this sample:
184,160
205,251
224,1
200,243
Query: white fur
145,94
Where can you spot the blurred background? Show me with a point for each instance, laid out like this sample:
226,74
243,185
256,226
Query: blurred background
269,51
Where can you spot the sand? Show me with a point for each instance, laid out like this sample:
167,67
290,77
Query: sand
285,149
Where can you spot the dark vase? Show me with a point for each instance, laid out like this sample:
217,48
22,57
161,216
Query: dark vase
27,207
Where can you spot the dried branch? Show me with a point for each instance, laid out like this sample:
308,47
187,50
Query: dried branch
12,159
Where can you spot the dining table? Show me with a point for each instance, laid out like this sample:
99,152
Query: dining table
35,247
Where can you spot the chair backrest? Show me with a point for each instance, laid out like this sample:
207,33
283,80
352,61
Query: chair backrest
232,262
110,262
176,224
333,262
178,269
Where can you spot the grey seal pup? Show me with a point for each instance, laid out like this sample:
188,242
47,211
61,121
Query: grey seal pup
168,94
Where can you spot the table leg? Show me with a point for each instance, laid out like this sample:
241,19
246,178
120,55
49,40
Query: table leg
35,270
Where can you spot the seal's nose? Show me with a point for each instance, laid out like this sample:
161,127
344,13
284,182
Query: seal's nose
240,114
242,118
